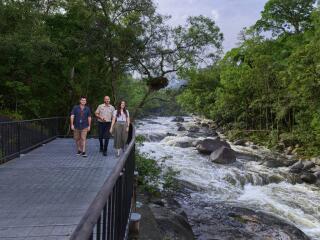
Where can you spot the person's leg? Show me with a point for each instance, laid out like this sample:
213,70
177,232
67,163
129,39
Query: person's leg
116,139
106,137
124,137
83,141
101,136
76,137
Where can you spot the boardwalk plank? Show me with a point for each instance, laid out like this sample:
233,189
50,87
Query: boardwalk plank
44,193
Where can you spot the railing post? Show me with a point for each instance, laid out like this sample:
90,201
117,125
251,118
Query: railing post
41,131
3,154
19,138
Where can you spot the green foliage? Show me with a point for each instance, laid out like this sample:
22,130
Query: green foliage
149,173
52,52
169,180
270,86
198,95
286,16
140,139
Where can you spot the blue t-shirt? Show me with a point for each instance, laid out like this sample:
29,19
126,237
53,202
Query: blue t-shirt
81,117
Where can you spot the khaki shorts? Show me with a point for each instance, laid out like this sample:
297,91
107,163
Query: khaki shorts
80,134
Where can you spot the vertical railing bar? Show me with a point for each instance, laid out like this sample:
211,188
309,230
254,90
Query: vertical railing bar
112,213
19,135
109,217
99,228
104,222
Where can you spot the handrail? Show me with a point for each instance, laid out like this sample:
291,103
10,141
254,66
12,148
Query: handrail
18,137
85,228
31,120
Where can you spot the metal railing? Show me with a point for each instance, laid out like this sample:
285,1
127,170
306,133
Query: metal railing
108,215
18,137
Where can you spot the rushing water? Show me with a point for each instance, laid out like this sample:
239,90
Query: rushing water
247,182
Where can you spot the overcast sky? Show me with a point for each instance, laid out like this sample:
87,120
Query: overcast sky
230,15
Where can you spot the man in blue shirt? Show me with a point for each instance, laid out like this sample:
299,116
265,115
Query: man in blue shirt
80,122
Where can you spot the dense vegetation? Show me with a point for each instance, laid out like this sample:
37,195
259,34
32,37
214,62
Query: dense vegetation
52,52
268,88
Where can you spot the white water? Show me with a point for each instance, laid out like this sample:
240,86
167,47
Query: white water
242,182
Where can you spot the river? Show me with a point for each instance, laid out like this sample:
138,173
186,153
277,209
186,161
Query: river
245,183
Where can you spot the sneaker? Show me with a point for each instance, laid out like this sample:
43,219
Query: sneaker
104,154
84,154
79,153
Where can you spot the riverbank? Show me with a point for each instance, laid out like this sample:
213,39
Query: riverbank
301,168
162,218
245,183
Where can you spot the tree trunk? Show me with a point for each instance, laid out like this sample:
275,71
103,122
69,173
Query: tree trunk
140,105
113,81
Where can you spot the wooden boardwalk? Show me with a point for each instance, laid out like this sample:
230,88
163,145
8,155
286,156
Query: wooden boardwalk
45,193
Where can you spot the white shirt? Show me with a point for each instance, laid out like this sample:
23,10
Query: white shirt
105,112
122,117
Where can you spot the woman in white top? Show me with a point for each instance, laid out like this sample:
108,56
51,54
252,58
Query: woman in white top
120,124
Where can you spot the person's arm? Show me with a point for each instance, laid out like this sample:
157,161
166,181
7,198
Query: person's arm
128,121
97,113
72,119
113,121
89,120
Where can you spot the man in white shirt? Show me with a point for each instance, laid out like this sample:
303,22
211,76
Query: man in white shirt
104,114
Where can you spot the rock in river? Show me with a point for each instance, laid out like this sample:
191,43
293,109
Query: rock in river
308,165
223,155
178,119
308,178
208,146
181,128
297,167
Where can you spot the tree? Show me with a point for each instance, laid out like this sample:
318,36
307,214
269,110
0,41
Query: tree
286,16
118,25
167,50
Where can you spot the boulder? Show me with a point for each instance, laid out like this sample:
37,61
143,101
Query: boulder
308,165
317,174
155,137
208,146
277,161
205,125
172,221
194,129
195,143
240,142
315,169
297,167
178,119
171,134
183,144
225,221
308,178
223,155
181,128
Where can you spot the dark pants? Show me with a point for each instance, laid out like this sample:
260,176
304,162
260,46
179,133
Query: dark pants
104,133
